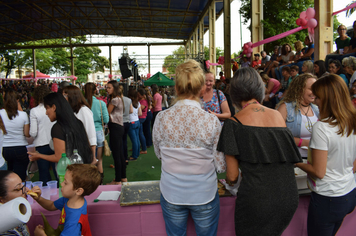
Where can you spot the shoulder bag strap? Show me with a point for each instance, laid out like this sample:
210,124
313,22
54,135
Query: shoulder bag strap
101,114
217,93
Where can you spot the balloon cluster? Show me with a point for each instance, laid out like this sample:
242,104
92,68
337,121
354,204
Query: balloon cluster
247,49
306,20
221,60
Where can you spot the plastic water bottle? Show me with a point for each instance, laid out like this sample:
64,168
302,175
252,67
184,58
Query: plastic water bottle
76,158
61,170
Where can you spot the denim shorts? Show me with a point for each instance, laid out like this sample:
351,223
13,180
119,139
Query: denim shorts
100,137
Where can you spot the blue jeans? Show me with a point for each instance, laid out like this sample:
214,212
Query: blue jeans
134,134
325,214
17,160
124,140
205,217
43,165
142,136
147,129
100,138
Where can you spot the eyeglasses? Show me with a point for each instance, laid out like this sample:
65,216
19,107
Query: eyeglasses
23,189
343,29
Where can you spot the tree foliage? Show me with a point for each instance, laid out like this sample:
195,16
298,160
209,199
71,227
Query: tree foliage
279,17
55,60
178,57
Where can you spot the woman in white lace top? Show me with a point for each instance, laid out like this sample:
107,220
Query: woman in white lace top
185,139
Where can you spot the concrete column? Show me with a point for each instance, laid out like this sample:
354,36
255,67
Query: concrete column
256,27
323,38
201,37
227,38
212,49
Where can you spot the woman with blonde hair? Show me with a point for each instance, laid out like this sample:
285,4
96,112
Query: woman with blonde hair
308,67
298,110
185,139
331,164
298,46
349,64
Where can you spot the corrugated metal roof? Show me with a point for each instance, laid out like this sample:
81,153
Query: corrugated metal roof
27,20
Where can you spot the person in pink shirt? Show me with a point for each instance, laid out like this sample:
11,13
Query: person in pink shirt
156,103
272,86
144,107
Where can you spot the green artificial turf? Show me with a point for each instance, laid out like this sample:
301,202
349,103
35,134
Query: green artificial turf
146,167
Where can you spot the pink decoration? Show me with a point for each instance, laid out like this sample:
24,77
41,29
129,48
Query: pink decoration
249,44
303,15
207,64
248,54
312,23
298,22
54,87
276,37
310,13
75,78
249,50
303,22
110,76
345,9
148,75
221,60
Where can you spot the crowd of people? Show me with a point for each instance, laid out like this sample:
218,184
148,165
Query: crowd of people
256,127
284,59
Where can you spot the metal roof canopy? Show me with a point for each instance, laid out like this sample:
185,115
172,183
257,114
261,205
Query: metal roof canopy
29,20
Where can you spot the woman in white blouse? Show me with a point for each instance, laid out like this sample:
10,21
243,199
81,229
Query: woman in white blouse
185,139
82,111
40,130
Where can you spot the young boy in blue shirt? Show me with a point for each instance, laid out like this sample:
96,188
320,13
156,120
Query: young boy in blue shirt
80,180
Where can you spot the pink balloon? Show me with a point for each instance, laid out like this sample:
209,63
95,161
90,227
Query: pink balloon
244,51
249,50
303,22
312,23
248,54
246,46
249,44
303,15
298,22
310,13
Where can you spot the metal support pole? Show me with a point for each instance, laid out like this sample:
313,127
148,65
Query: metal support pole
34,62
71,61
149,58
227,38
110,60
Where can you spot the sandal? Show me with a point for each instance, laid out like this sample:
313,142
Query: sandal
143,152
132,159
113,183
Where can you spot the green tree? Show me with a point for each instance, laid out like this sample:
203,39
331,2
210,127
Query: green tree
178,57
279,16
87,61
